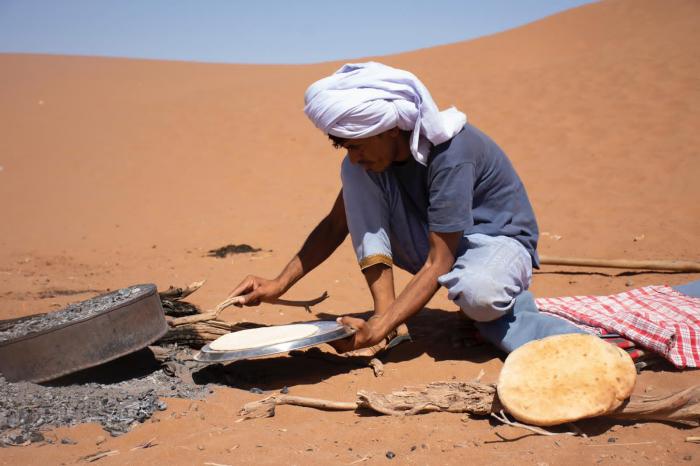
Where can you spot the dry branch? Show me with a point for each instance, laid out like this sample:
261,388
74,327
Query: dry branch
147,444
477,399
501,417
98,456
377,367
173,293
189,326
236,301
195,328
682,406
201,332
455,397
266,406
211,315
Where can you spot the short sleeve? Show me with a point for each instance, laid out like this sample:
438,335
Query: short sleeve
450,195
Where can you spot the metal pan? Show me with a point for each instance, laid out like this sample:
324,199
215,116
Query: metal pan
328,330
134,321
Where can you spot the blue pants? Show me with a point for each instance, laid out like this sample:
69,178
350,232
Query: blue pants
488,280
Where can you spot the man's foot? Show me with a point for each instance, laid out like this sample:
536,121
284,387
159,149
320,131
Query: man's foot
399,335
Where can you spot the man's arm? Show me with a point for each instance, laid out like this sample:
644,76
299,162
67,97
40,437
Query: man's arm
412,299
319,245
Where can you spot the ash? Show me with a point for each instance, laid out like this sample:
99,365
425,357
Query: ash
28,409
77,311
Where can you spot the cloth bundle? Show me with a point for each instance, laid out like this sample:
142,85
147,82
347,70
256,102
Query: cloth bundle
658,318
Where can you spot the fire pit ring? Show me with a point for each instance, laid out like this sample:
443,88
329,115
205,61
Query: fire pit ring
46,346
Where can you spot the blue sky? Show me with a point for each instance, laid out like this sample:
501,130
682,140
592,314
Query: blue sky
259,31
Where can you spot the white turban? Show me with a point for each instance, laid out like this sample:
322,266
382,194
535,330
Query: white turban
365,99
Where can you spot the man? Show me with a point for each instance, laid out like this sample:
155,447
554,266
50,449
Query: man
423,190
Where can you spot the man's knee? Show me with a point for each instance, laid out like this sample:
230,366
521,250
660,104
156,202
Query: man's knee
480,297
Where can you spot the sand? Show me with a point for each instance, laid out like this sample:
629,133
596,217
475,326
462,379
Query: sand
116,172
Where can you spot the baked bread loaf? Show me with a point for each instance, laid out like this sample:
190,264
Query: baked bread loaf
564,378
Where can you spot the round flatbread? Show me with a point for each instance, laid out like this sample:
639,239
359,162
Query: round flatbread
264,336
564,378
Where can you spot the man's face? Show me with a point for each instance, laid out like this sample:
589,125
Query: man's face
375,153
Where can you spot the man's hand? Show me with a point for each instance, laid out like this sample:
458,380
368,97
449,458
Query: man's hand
414,297
320,244
254,290
366,335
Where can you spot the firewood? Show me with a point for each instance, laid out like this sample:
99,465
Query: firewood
476,398
173,293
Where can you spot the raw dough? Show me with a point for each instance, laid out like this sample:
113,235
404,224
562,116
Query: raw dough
563,378
257,337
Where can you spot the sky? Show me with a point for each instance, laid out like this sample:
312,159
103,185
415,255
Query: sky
256,31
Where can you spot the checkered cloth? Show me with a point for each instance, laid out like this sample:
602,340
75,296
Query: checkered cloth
658,318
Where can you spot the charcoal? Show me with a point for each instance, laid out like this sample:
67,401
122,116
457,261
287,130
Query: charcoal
28,409
73,312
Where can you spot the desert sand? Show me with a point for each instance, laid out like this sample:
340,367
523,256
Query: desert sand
120,171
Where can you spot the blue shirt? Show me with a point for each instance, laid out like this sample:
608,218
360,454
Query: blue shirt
469,185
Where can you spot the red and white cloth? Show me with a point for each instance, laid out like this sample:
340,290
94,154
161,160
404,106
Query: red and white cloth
655,317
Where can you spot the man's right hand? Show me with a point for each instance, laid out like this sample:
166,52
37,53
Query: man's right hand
255,290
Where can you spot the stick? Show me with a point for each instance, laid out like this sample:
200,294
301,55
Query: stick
619,444
475,398
317,403
537,430
179,293
211,315
236,301
675,266
364,458
377,367
577,429
306,304
98,456
266,406
148,444
682,406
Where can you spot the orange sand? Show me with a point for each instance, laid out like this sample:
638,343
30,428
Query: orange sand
117,172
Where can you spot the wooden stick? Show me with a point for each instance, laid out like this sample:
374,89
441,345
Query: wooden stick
538,430
478,399
266,406
179,293
98,456
681,406
317,403
236,301
675,266
148,444
620,444
377,367
192,319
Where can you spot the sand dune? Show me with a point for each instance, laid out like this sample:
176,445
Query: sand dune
117,171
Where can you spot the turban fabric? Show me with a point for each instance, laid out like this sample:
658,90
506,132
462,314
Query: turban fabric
361,100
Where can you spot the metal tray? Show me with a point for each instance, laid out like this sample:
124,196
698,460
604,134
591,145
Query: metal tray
329,330
123,328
